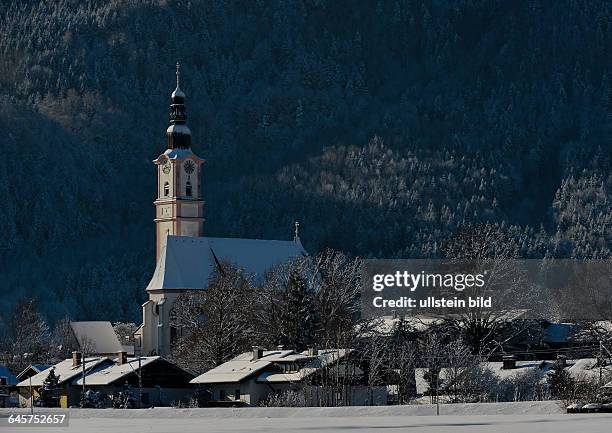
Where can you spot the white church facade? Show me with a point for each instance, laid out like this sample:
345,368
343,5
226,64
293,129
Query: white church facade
185,257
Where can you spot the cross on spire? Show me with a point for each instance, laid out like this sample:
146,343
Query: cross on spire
178,74
297,232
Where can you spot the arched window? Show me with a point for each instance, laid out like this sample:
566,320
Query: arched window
166,189
188,188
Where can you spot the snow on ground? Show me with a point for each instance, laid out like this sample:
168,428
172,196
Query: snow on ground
529,417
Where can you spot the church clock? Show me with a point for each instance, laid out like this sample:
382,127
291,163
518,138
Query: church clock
166,166
189,166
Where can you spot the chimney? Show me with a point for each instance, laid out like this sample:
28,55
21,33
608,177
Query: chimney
312,351
76,359
509,362
257,353
121,357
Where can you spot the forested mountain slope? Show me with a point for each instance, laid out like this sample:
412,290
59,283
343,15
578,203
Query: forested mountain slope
381,126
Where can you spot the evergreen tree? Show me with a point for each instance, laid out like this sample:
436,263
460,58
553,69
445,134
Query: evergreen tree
48,393
297,316
560,381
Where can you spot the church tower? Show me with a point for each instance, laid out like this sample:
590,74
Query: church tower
186,259
179,208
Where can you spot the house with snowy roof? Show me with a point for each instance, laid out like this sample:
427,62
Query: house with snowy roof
154,380
251,377
66,370
185,257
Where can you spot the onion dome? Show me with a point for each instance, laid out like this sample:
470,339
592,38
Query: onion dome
178,133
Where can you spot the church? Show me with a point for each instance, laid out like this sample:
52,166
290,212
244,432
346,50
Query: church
185,257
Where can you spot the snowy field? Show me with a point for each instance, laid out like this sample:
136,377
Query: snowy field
528,417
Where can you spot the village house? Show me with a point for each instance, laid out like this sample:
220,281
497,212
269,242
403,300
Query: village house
322,377
67,370
163,383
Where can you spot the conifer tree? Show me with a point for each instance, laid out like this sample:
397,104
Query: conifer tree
48,394
298,319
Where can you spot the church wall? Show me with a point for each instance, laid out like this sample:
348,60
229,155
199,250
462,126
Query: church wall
148,332
190,228
193,178
156,323
163,178
163,228
189,210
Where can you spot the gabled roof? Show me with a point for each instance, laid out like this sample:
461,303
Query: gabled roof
243,367
98,337
323,359
187,263
35,368
106,374
66,371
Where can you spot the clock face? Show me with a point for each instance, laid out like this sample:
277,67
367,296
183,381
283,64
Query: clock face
189,166
166,166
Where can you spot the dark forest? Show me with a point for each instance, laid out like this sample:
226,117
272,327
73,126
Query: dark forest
382,127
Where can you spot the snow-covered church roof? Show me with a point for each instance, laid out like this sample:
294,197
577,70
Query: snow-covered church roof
187,263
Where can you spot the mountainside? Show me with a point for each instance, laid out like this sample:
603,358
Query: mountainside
381,126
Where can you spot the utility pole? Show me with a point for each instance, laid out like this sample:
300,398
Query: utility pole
31,398
83,364
438,393
139,339
27,356
600,362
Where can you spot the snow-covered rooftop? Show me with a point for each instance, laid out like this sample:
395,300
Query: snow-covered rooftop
585,368
106,374
36,368
323,359
243,367
66,371
96,337
187,263
177,153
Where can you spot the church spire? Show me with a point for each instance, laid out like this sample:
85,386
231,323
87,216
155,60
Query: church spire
179,135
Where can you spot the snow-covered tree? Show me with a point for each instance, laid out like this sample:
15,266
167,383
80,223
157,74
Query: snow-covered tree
48,393
124,399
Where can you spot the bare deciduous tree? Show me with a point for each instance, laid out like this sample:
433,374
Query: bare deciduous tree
489,250
336,279
213,325
29,333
